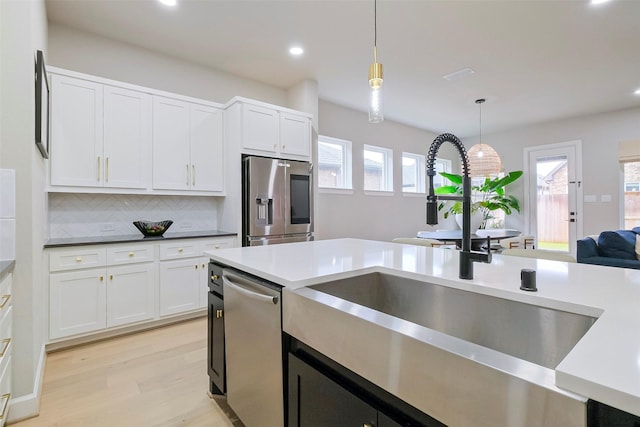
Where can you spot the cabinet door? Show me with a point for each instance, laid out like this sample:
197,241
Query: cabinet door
295,135
76,132
77,302
315,400
179,290
260,129
127,138
215,349
130,294
171,129
207,151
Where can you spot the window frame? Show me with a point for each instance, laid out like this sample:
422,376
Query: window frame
387,170
420,175
347,161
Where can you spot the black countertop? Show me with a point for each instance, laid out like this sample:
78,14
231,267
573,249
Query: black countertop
129,238
5,267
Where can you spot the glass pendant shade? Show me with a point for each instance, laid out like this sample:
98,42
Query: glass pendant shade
375,105
483,161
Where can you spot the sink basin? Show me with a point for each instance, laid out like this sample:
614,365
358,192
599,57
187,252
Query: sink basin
540,335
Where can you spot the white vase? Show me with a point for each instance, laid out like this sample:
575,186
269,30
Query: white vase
476,221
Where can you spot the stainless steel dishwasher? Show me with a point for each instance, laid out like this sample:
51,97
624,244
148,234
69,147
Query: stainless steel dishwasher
253,340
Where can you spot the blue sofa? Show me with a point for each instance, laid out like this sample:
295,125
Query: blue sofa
612,248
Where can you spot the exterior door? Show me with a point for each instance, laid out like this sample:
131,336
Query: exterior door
554,213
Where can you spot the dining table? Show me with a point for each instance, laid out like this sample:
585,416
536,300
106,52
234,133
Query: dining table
478,238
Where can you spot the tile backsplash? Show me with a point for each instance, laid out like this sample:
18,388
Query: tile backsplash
88,215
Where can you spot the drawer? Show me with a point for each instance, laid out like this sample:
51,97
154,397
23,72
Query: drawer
5,390
215,278
130,254
74,259
6,339
177,250
211,245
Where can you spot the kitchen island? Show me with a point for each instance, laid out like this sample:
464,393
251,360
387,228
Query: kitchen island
603,365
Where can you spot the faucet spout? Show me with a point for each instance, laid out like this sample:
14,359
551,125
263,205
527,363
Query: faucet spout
467,257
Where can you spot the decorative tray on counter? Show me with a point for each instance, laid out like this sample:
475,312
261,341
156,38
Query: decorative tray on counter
153,228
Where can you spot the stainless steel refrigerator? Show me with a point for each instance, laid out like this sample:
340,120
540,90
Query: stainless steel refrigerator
277,201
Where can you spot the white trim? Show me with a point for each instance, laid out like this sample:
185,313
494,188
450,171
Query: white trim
328,190
414,195
378,193
347,161
150,91
387,165
28,406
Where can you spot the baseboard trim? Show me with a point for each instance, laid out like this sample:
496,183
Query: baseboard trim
28,406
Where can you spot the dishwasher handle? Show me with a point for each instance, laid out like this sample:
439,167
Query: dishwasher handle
251,294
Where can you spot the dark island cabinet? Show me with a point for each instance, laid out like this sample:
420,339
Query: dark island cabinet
316,400
215,347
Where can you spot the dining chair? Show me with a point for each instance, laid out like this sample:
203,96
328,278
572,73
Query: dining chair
522,242
419,241
540,254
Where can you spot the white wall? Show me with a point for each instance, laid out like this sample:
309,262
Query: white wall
24,30
91,54
373,217
600,135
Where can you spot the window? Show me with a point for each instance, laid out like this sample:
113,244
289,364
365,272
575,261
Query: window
441,165
378,169
413,173
631,194
334,163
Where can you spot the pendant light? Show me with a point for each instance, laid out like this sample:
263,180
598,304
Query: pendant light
483,159
375,75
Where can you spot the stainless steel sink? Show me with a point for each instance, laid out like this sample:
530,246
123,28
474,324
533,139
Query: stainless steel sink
536,334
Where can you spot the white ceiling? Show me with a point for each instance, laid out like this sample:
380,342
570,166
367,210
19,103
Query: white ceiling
534,60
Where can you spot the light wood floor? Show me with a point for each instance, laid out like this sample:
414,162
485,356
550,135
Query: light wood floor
153,378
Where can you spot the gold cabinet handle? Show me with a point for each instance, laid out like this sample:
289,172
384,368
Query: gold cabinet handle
111,277
98,170
193,175
219,314
214,277
180,250
5,300
106,169
79,259
6,398
101,278
196,266
203,265
5,345
217,246
283,146
131,254
275,146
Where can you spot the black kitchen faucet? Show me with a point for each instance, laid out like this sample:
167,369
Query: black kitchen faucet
467,256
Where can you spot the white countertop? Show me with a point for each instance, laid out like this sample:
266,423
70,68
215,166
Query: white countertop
604,365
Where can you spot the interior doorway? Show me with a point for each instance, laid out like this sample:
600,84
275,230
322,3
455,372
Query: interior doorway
554,195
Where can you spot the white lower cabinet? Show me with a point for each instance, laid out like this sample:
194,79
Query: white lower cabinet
179,290
183,274
93,288
6,344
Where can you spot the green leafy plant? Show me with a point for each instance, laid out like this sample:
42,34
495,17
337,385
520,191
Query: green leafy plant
487,197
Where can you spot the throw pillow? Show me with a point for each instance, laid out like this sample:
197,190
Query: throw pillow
617,244
636,230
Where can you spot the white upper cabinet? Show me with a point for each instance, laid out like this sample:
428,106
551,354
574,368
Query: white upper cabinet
187,146
267,130
113,137
101,135
207,148
76,132
295,135
127,138
260,129
171,159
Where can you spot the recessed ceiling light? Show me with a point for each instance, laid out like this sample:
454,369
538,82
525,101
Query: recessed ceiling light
169,2
637,92
596,2
296,51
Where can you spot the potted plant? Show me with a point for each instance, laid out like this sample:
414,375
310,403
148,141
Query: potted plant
486,198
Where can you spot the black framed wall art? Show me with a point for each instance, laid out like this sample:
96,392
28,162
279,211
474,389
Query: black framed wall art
42,106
